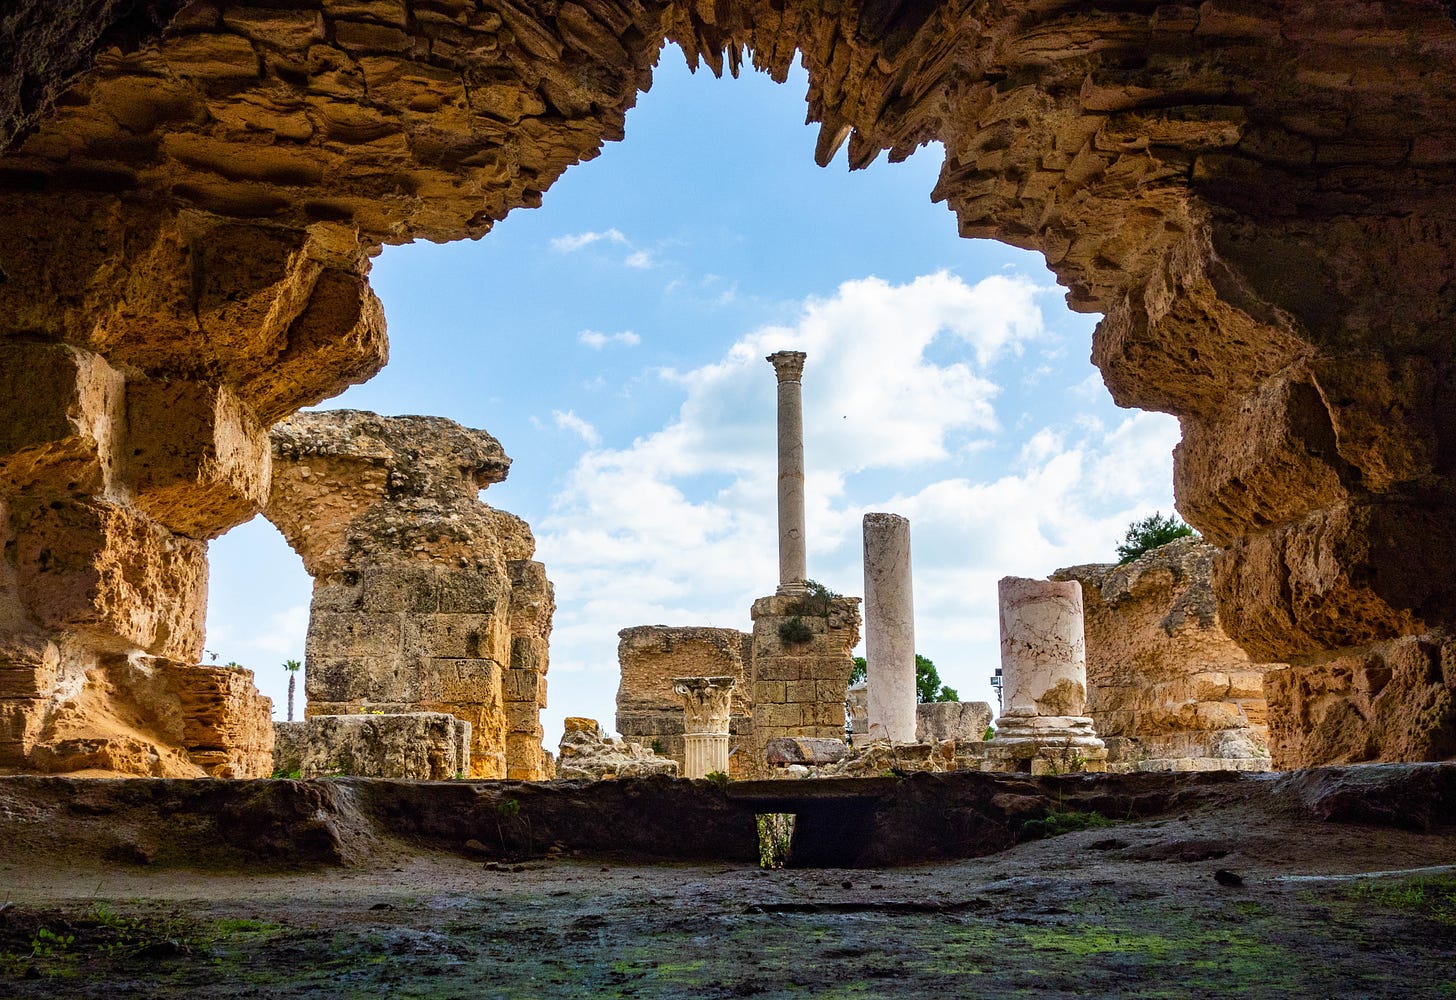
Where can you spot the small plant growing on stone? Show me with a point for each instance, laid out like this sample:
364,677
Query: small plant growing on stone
294,775
47,943
509,812
717,777
795,631
990,733
657,747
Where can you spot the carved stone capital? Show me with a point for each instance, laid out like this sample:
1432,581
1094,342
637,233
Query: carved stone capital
788,365
707,703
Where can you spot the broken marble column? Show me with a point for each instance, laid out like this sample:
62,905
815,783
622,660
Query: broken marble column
707,706
793,563
1044,728
889,628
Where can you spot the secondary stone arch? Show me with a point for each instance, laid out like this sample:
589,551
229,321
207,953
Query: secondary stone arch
1258,199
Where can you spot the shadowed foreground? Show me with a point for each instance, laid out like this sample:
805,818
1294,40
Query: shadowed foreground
1127,907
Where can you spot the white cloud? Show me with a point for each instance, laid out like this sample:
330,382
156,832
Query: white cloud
640,259
899,397
596,340
578,241
569,421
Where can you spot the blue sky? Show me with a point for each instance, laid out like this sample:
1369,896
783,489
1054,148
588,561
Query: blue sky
613,340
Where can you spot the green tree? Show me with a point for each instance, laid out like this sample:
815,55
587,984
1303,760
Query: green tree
293,667
927,679
1149,533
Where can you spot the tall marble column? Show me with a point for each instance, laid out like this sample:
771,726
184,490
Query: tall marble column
707,707
1044,727
793,565
889,627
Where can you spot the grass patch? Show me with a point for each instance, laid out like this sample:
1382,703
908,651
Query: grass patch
1055,823
1431,897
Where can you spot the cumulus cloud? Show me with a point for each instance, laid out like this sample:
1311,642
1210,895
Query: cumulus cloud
900,411
569,421
577,241
596,340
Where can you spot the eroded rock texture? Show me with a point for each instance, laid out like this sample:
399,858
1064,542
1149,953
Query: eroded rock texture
1258,198
1168,688
422,746
425,599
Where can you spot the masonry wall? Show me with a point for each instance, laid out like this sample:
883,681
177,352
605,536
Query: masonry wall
1167,688
648,712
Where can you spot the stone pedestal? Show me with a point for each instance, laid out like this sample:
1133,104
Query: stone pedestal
800,669
707,706
889,628
793,563
1044,728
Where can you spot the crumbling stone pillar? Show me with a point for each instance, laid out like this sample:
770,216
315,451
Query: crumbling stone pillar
649,712
889,628
1043,728
802,660
707,703
425,599
793,562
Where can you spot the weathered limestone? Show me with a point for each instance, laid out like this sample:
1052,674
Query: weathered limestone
130,715
801,666
1257,198
962,721
889,628
421,746
586,755
1393,701
793,562
650,712
1044,727
1168,688
425,599
707,704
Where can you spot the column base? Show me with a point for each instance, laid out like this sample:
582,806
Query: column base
1045,744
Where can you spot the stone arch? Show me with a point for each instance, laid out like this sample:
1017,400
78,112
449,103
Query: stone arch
1257,198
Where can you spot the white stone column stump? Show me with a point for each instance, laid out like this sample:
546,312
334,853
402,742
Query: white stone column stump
1044,727
889,628
793,562
707,708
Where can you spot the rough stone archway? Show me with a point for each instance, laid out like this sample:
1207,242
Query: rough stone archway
1258,197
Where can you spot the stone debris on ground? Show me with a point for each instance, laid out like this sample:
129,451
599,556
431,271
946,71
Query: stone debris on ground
585,754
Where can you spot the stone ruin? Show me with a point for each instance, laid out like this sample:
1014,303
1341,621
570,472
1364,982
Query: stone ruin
650,713
586,755
1258,199
424,598
1168,688
420,746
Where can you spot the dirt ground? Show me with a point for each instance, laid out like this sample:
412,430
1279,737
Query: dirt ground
1129,910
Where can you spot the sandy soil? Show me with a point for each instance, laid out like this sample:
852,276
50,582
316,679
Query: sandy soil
1131,910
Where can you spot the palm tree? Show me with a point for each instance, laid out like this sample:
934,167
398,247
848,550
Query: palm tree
293,667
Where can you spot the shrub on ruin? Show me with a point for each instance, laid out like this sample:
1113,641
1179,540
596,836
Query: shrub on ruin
1149,533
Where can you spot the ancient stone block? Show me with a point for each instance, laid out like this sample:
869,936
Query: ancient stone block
198,460
62,419
423,746
108,571
335,634
803,750
962,721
